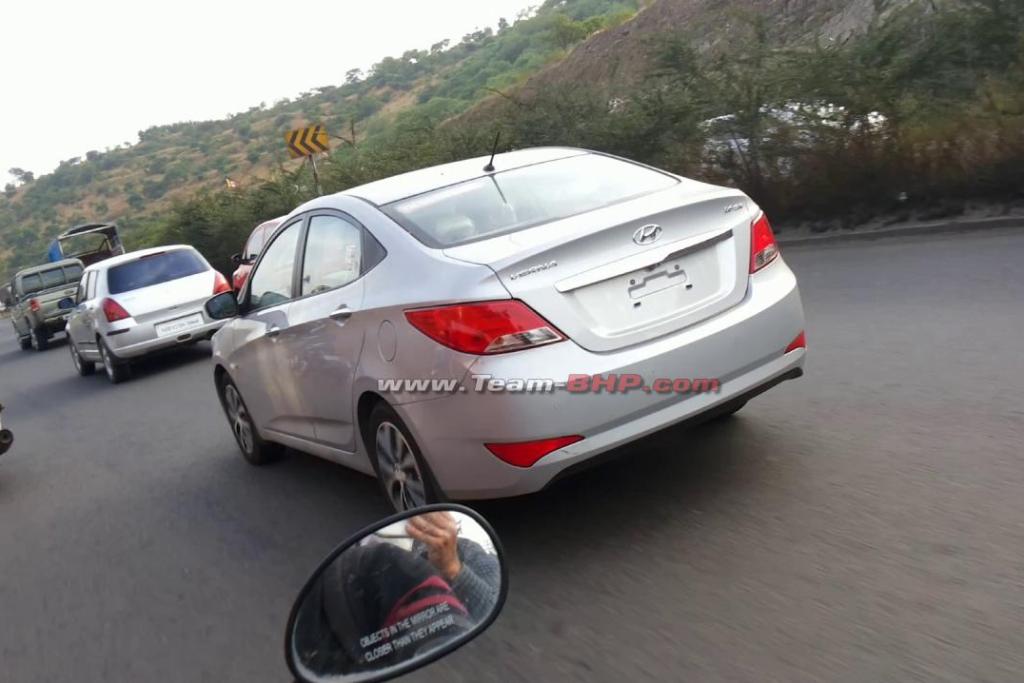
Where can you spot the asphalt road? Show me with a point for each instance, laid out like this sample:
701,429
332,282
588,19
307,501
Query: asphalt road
865,523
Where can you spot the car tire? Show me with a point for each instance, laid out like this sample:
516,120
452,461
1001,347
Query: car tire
82,367
117,371
25,343
255,449
404,477
39,339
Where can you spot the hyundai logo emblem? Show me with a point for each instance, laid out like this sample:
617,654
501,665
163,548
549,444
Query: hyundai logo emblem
648,234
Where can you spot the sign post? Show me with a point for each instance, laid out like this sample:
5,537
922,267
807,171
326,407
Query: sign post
308,142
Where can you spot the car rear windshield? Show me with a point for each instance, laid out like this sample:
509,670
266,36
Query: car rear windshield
154,269
48,279
524,197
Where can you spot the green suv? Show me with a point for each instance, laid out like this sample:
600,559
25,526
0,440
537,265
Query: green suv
37,306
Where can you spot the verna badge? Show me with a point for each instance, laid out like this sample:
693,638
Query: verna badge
648,234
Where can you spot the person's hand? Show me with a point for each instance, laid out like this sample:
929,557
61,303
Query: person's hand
440,533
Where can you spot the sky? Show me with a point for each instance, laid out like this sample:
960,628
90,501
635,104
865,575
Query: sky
89,75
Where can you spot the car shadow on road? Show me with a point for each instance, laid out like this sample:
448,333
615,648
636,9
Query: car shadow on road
659,483
168,360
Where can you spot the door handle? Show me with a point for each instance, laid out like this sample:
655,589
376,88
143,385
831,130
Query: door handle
273,331
341,313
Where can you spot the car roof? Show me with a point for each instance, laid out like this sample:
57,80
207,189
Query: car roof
47,266
133,255
409,184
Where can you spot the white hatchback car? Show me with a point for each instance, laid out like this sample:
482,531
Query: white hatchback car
375,319
139,303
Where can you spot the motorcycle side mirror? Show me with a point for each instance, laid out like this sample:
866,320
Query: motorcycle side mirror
236,259
66,303
222,306
397,596
6,437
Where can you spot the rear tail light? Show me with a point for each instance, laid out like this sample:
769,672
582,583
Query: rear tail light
220,283
799,343
485,328
114,311
33,304
526,453
763,247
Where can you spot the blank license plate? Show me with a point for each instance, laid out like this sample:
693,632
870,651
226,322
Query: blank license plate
179,325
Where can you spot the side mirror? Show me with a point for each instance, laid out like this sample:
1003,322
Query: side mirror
397,596
6,437
222,306
66,303
236,259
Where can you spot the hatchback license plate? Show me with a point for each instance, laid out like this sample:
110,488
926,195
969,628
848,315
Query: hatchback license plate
179,325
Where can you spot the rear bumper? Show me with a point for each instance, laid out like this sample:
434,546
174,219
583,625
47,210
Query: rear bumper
141,340
57,323
743,348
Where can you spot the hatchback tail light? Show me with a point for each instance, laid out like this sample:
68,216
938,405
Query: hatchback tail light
763,247
527,453
220,283
33,304
113,311
485,328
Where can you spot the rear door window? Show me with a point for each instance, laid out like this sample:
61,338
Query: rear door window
333,255
154,269
83,286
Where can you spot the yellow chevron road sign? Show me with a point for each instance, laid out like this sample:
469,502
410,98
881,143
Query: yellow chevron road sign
304,142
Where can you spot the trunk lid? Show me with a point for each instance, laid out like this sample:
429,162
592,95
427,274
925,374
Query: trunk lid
168,300
48,300
589,277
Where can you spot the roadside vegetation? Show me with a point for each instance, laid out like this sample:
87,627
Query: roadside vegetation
918,114
137,183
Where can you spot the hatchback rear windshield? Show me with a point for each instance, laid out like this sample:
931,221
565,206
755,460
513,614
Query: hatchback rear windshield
514,200
154,269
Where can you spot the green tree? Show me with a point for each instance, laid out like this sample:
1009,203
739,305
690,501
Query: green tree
21,175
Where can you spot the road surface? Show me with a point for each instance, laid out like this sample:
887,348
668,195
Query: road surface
865,523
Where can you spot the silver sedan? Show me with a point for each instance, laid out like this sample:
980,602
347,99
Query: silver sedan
475,330
140,303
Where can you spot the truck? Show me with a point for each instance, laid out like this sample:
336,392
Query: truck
40,300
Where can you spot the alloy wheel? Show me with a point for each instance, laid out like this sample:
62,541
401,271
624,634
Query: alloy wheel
238,416
108,363
398,468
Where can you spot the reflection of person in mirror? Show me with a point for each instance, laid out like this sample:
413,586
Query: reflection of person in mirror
373,607
473,574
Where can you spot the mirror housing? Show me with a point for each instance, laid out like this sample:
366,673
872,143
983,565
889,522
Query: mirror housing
221,306
66,303
396,596
236,259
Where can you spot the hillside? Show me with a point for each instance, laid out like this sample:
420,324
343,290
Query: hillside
618,60
621,56
136,183
827,112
